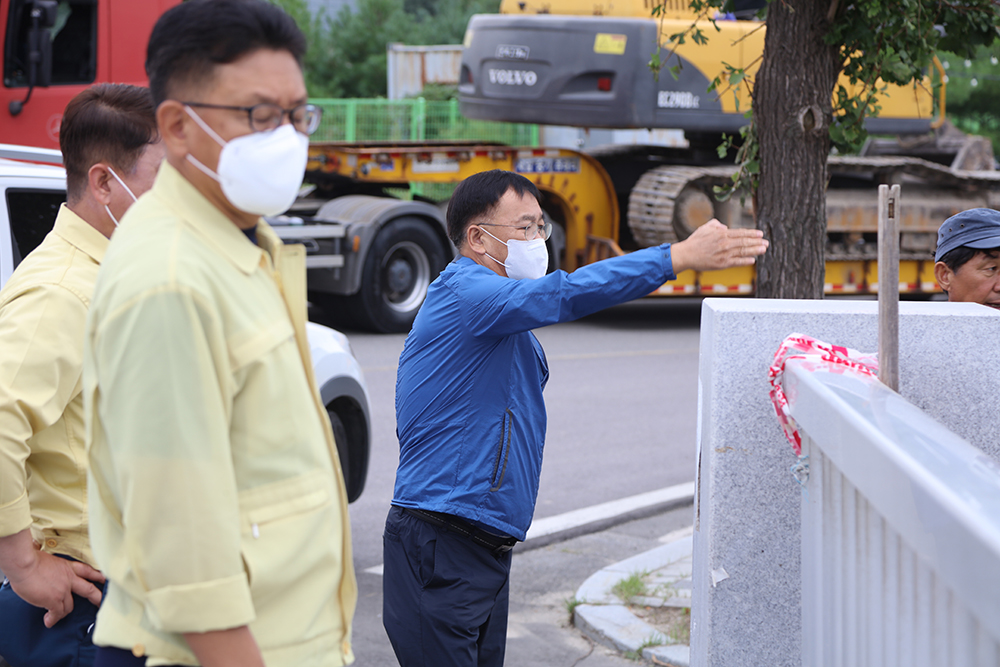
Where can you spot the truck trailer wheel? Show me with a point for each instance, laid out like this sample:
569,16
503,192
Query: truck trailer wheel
403,261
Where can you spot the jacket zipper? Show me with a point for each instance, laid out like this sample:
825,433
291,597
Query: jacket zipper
502,452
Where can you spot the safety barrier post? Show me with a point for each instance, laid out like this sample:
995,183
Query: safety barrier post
888,286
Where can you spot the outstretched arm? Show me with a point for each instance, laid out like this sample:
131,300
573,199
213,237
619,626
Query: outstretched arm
502,306
714,246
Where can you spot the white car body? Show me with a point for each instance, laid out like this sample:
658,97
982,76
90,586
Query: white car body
35,190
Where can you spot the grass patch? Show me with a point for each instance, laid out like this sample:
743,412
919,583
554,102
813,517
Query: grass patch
650,642
631,586
680,630
571,605
673,623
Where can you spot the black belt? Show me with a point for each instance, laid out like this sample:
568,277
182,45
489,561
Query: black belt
495,543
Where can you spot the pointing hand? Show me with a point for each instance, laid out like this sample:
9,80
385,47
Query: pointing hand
713,246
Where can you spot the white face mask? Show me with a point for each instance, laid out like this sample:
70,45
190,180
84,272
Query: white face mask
260,173
525,259
127,189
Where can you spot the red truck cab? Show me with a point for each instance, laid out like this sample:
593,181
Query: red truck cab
63,46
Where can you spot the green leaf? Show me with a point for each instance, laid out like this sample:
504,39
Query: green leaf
837,134
723,194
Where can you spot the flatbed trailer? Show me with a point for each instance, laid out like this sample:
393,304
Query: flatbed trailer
359,258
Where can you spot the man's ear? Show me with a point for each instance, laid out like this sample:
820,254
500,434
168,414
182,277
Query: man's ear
944,275
173,123
99,183
474,239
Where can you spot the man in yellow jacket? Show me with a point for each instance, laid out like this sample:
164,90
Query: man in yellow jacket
111,151
217,504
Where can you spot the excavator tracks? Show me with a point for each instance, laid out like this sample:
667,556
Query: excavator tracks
668,203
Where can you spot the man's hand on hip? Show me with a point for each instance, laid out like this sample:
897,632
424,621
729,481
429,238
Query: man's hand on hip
713,246
44,580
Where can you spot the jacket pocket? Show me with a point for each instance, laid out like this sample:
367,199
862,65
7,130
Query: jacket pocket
293,550
283,519
503,451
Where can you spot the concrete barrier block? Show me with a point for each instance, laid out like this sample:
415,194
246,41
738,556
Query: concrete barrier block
746,569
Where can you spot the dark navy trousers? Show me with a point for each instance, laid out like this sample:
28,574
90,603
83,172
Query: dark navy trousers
26,642
108,656
444,597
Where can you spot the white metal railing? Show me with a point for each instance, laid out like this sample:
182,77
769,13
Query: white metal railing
900,530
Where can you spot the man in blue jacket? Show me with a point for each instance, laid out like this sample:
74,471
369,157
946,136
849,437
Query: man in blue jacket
470,416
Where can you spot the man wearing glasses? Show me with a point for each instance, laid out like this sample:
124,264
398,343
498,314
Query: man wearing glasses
470,415
218,511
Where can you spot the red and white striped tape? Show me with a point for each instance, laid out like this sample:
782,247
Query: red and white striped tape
819,356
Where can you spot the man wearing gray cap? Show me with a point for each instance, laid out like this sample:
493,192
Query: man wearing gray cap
967,260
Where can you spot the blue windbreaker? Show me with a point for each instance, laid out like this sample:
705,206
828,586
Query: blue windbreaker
469,411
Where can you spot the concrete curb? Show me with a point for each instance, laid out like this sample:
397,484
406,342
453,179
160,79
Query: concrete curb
603,618
596,518
601,517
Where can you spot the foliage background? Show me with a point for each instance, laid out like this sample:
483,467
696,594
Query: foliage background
973,103
346,56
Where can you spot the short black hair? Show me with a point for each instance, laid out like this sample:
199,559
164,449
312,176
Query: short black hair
478,195
191,39
956,258
111,123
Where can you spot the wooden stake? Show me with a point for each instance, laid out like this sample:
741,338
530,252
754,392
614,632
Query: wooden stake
888,286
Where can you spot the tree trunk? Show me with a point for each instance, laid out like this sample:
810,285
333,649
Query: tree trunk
792,109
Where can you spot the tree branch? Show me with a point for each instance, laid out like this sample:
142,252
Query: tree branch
831,14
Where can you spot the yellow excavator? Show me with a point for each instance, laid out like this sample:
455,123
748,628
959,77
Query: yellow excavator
585,64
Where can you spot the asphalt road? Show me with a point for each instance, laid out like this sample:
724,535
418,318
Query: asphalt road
621,402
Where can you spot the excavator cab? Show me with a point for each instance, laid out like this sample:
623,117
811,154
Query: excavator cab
592,72
559,64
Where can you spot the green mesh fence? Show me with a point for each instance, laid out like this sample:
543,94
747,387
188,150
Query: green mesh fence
360,120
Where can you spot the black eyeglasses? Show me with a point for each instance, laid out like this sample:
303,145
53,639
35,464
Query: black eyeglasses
266,116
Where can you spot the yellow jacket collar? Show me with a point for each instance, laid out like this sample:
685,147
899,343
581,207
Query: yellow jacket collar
206,220
80,234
